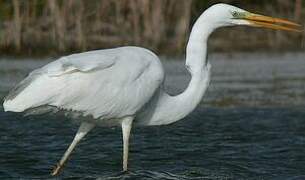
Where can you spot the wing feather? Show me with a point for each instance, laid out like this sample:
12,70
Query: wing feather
79,62
104,84
22,85
83,62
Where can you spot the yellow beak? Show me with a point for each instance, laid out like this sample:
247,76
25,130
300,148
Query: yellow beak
272,23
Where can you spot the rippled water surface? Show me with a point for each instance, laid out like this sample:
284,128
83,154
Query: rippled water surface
250,125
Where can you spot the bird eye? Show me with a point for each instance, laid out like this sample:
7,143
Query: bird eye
235,14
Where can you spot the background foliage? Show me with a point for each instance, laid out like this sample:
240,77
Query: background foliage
63,26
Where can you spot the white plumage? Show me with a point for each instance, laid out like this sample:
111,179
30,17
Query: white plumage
124,85
106,84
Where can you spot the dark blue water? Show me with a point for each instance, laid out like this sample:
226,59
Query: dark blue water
211,143
250,125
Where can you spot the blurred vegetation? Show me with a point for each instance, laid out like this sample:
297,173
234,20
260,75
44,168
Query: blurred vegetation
44,27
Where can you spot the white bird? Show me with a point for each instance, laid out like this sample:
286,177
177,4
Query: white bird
124,86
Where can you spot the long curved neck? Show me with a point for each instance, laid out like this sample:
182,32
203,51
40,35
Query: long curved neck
170,109
196,50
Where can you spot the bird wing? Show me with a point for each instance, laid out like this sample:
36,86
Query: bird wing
83,62
105,84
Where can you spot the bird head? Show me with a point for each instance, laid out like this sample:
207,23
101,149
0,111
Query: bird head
227,15
221,15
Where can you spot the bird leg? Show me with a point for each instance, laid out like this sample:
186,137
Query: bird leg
126,127
82,131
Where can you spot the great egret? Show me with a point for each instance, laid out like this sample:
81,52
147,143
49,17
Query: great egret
123,86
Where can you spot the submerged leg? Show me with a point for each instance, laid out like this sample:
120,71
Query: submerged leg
126,127
82,131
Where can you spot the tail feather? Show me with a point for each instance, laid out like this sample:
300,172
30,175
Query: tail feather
20,87
12,102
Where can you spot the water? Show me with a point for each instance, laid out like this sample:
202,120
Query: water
250,125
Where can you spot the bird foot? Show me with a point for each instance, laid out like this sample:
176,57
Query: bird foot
56,170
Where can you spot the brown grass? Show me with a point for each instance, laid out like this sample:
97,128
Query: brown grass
58,26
